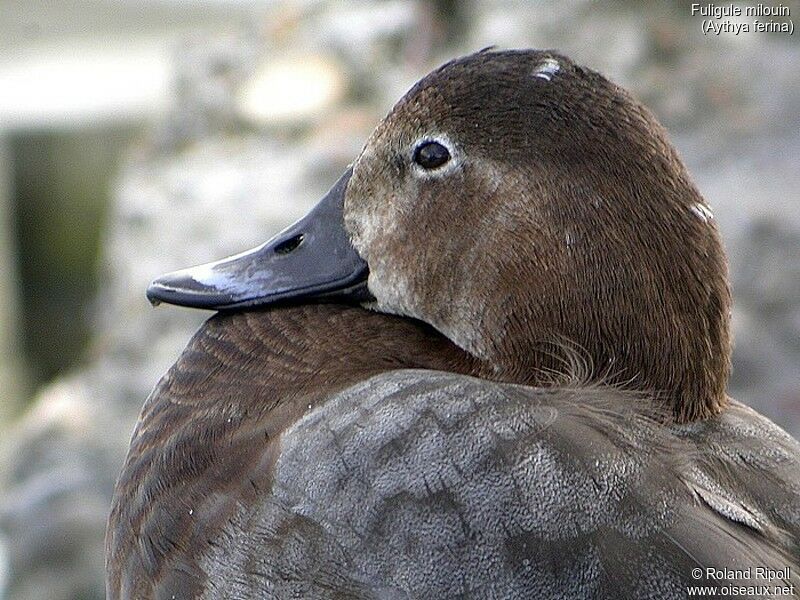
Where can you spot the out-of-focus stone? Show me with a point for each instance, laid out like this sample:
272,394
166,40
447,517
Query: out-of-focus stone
289,90
766,283
58,476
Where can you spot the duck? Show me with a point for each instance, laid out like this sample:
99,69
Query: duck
490,363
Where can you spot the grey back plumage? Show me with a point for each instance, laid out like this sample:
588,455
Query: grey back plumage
415,484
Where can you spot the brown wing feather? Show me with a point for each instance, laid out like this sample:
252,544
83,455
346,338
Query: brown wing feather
209,434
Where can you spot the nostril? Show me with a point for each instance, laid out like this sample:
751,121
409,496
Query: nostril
287,246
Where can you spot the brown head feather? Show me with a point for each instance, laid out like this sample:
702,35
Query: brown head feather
583,225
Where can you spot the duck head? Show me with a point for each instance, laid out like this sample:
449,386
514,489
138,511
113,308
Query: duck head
521,205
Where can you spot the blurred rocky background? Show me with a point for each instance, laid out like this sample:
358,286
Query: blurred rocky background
137,138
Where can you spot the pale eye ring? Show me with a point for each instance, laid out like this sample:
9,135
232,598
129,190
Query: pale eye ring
430,155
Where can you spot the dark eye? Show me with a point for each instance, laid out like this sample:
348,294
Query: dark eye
431,155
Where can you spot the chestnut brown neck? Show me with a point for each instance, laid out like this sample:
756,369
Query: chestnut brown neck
306,353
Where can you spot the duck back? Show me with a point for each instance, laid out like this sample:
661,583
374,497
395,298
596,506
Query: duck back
279,459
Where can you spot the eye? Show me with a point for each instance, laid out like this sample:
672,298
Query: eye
431,155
